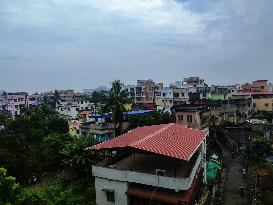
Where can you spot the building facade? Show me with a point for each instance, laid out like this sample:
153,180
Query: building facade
142,173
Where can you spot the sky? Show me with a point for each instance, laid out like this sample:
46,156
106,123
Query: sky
77,44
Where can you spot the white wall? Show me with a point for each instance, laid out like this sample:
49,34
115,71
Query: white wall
120,189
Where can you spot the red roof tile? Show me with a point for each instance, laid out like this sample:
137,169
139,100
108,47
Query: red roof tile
170,140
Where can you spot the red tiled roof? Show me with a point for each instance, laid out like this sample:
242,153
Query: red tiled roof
170,140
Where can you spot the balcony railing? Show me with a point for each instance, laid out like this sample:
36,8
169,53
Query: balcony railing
147,179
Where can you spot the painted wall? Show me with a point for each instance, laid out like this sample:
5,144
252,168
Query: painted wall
120,189
259,104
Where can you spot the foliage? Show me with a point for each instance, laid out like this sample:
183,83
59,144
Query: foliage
260,117
56,193
8,187
54,100
154,118
76,156
21,148
258,149
4,118
52,145
116,98
99,96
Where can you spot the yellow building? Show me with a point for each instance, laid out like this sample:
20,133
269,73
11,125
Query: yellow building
262,101
263,104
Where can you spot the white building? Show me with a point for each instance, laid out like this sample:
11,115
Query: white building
163,164
168,97
71,110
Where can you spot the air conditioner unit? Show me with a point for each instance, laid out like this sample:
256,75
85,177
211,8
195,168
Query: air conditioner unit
160,172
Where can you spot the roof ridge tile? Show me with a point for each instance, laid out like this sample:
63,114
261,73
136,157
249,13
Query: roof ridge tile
167,126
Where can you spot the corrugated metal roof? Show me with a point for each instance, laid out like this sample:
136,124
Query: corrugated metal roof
170,140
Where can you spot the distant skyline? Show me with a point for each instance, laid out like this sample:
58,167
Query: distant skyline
68,44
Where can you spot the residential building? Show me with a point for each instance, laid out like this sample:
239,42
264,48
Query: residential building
257,86
196,85
71,109
144,92
262,101
194,116
232,110
168,97
222,92
13,102
158,164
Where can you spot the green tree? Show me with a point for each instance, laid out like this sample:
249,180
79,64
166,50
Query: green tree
117,97
21,150
258,149
9,189
76,156
53,144
154,118
99,97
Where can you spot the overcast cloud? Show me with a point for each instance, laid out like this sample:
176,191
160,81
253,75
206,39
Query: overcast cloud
48,44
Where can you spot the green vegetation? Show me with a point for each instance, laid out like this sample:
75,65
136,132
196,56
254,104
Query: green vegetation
115,100
35,145
155,118
8,188
258,149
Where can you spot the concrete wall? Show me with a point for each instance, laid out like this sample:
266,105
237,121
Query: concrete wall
195,123
120,189
260,104
147,179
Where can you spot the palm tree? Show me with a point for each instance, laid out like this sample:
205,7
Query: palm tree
116,98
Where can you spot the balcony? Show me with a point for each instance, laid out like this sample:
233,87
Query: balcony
141,169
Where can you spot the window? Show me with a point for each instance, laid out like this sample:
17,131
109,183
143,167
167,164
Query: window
175,95
182,94
77,109
254,105
81,102
163,94
171,101
15,100
189,118
266,104
68,109
16,106
180,117
110,195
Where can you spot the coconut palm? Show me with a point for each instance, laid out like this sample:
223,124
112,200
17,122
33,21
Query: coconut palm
116,98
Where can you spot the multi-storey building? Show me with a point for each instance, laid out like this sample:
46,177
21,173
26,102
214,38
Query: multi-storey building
257,86
144,92
158,164
14,102
194,116
262,101
223,91
197,85
168,97
71,110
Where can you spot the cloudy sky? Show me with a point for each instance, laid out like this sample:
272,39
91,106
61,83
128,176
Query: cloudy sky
48,44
